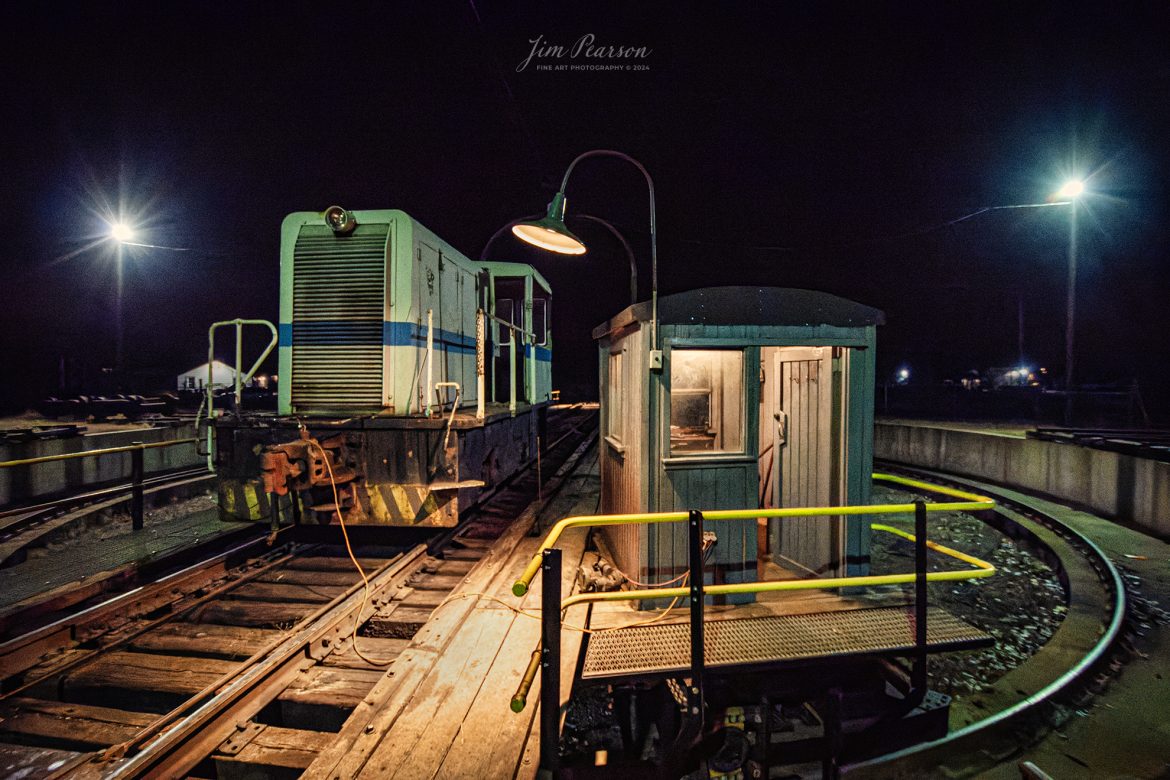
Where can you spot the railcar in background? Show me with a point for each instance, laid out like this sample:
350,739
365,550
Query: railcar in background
410,378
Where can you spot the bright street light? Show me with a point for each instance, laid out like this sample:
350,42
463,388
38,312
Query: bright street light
1073,188
550,232
121,232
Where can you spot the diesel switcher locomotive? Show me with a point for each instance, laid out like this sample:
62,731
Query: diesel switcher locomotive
410,378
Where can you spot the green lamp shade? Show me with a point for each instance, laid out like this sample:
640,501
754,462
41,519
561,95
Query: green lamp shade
550,231
550,235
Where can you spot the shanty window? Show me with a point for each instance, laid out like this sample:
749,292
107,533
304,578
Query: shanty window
615,411
706,401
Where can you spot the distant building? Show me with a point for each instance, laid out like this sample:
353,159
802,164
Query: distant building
222,375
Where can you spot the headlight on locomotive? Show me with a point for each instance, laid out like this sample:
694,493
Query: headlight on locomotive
339,220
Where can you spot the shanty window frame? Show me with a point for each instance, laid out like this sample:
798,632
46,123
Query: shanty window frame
615,401
720,396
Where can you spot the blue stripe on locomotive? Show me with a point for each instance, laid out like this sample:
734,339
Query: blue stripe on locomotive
394,334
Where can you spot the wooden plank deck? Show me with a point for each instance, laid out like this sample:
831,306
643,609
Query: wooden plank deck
442,710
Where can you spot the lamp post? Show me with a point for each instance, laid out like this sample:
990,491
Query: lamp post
551,233
121,233
1070,192
613,231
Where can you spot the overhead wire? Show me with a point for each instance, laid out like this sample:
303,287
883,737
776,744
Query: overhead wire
879,239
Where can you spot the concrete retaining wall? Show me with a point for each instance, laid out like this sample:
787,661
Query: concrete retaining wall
48,479
1122,487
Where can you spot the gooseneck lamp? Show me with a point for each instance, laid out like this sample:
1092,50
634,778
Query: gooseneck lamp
617,234
550,233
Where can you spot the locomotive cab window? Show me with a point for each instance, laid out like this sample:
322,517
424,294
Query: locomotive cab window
706,401
540,321
504,312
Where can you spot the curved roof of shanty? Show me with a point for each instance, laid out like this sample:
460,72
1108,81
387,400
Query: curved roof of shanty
781,306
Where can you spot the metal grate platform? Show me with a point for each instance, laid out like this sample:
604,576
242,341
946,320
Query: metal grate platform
664,649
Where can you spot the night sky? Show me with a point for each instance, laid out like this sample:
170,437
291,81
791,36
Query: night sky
809,145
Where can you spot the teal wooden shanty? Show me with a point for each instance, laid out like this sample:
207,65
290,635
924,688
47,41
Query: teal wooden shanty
764,398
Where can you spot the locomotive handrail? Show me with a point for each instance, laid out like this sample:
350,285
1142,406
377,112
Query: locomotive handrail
969,502
518,328
529,336
239,379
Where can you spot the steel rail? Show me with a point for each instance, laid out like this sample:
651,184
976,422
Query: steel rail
66,629
191,732
153,480
1109,576
142,629
171,754
51,515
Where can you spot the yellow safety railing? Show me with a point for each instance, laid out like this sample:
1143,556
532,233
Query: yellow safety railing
970,502
982,569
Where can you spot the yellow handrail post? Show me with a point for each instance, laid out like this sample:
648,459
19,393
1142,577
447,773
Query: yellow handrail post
969,502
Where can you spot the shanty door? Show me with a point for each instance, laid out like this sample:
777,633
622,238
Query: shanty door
802,428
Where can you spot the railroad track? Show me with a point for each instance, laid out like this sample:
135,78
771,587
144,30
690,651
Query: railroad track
1093,635
21,526
249,665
